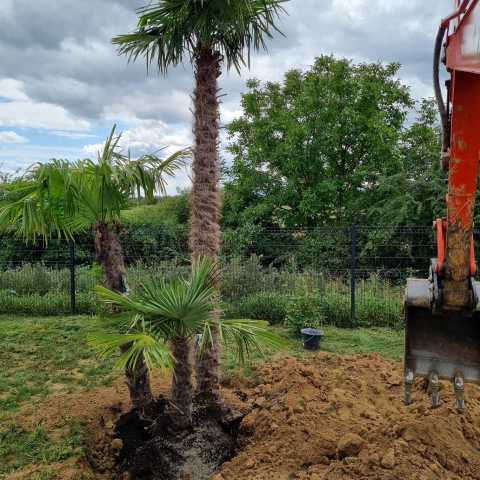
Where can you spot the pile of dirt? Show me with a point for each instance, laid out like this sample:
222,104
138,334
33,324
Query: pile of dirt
339,418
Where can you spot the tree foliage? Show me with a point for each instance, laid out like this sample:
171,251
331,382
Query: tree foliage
310,151
413,193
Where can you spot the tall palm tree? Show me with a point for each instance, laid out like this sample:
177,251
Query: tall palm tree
166,317
208,33
60,198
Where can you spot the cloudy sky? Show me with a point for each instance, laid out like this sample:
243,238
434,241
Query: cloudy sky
62,85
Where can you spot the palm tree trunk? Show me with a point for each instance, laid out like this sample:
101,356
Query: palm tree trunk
110,257
182,388
205,199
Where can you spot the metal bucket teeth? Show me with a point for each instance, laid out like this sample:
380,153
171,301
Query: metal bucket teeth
435,389
441,346
409,381
459,389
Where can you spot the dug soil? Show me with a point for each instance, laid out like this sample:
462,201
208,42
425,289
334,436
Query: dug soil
342,418
322,417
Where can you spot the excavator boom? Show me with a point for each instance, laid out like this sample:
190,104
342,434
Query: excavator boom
442,312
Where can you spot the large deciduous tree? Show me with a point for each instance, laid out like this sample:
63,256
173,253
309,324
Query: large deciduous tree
209,33
309,151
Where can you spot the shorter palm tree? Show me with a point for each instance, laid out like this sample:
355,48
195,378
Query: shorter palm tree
166,318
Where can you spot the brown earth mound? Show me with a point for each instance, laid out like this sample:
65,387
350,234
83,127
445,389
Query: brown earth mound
339,418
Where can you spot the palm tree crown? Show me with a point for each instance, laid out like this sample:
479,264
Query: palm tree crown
59,198
171,29
168,311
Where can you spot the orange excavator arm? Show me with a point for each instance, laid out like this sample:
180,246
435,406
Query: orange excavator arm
461,151
442,312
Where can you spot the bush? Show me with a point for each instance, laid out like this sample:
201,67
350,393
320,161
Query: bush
260,306
304,312
336,309
54,303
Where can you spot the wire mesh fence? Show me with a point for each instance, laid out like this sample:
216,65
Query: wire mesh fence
358,272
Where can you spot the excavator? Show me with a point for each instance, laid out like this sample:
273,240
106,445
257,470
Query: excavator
442,339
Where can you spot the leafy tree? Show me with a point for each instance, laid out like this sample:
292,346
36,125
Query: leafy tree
309,151
167,316
413,192
59,199
209,33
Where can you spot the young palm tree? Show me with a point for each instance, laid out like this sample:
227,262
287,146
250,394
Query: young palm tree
166,317
60,198
208,33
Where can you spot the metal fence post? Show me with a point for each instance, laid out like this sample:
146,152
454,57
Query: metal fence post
73,289
353,273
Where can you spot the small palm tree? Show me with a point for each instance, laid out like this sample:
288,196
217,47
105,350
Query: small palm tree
60,198
166,318
207,32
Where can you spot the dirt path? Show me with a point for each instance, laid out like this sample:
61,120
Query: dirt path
321,418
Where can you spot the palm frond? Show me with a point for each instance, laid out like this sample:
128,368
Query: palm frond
245,337
155,351
169,30
40,204
177,309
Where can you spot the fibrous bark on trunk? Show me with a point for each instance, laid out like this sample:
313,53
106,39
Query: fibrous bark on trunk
204,238
182,388
110,256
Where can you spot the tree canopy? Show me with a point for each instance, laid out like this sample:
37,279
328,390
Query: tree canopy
331,146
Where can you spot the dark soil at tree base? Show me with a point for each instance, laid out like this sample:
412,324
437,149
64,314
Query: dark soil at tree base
153,449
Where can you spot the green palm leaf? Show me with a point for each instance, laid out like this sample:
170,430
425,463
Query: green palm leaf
245,337
186,307
177,309
155,351
169,30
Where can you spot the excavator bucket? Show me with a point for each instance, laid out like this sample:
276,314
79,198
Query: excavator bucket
439,344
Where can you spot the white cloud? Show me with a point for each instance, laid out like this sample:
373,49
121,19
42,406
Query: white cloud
20,111
7,9
149,136
28,114
12,137
12,89
72,135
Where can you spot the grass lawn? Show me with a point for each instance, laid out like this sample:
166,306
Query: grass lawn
45,356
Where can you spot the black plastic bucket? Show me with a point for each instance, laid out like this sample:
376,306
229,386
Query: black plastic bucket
311,338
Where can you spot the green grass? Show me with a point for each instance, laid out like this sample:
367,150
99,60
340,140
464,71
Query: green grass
20,448
388,343
40,356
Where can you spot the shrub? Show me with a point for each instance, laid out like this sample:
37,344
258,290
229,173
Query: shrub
304,312
260,306
53,303
336,309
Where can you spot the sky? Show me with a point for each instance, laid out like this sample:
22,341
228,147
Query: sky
63,86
